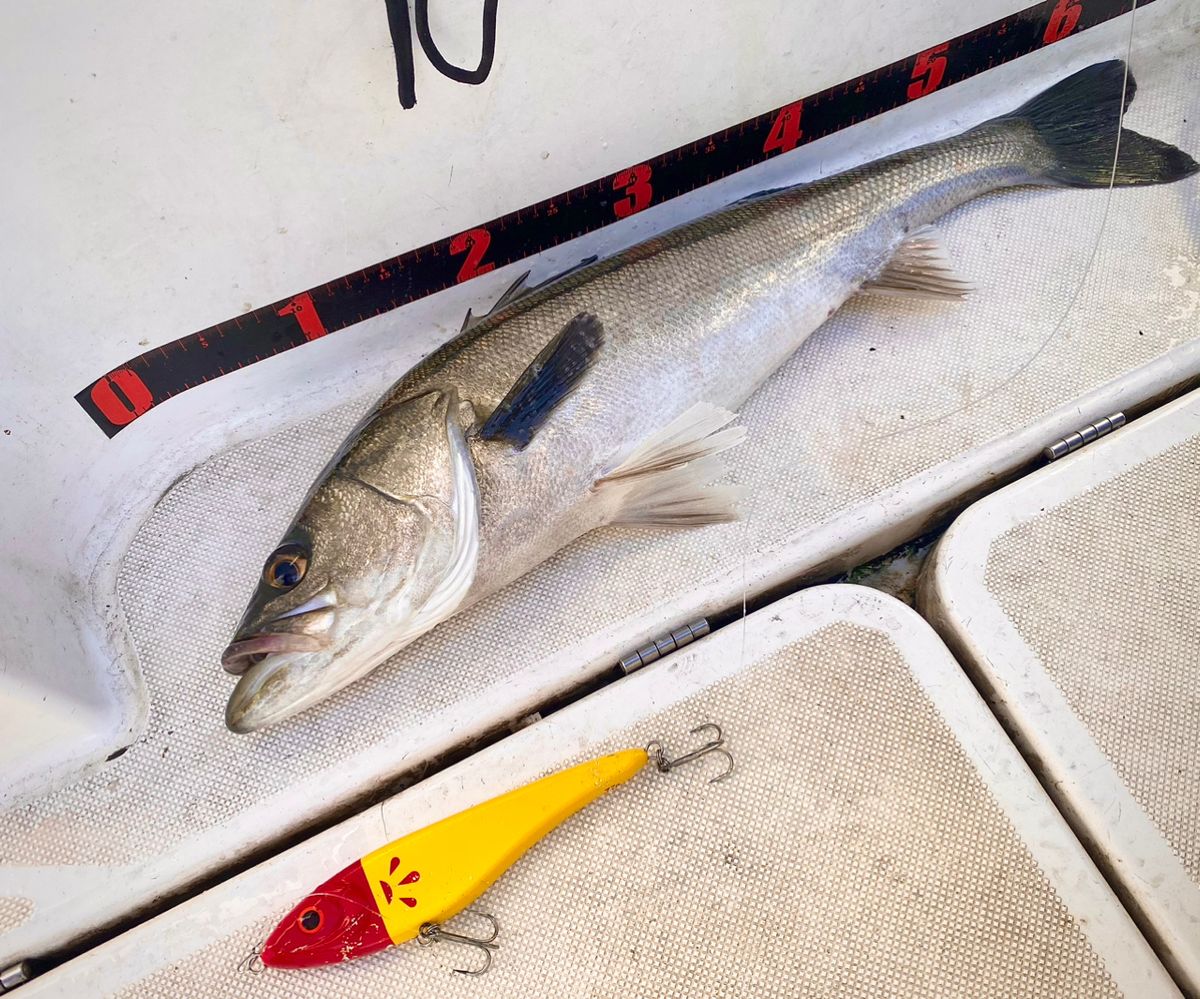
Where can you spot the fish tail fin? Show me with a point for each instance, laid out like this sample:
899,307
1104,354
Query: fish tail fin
1078,137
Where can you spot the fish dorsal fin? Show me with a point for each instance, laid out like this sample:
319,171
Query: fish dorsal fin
552,376
666,482
513,292
920,268
519,289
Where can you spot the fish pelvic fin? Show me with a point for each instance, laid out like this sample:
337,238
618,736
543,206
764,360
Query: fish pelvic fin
1078,140
920,268
667,481
553,375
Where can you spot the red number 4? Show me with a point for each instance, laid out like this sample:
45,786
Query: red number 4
1062,21
928,71
785,130
635,182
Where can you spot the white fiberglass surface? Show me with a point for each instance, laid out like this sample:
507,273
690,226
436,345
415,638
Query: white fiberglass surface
920,859
116,627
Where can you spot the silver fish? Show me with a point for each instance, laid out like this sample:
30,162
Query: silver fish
602,399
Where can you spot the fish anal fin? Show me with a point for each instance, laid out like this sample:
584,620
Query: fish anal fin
552,376
920,268
666,482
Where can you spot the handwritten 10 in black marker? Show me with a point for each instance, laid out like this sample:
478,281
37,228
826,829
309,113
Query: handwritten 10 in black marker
398,23
116,399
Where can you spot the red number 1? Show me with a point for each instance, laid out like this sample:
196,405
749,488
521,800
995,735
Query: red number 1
635,182
306,315
928,71
785,131
1062,21
474,243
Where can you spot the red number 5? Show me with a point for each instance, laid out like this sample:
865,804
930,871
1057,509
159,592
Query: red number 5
474,243
1062,21
928,71
635,182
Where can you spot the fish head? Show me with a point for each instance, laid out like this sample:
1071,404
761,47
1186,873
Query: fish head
384,549
336,922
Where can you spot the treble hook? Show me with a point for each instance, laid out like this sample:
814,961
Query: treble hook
716,745
253,962
431,933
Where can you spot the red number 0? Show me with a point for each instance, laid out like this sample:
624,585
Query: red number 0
116,410
928,71
635,182
785,131
1063,19
474,243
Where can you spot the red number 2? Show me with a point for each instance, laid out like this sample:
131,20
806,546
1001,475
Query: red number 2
635,182
928,71
785,131
1062,21
474,243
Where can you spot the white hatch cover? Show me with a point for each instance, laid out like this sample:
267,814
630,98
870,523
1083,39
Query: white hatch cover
1066,321
879,836
1072,595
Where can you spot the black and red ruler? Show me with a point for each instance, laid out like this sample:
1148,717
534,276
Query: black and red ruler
116,399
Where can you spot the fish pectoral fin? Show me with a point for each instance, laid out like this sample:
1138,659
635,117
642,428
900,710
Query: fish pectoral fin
920,268
552,376
667,482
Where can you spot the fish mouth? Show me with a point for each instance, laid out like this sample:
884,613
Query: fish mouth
243,653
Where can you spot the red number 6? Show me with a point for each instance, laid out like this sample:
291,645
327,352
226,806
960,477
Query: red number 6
1062,21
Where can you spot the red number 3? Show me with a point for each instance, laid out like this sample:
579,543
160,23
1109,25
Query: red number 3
1062,21
474,243
928,71
635,182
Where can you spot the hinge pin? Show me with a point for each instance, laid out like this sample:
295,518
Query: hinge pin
14,975
655,650
1073,442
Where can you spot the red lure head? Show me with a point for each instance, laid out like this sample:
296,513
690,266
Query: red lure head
335,922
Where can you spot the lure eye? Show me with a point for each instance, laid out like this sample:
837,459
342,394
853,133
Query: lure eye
286,567
309,921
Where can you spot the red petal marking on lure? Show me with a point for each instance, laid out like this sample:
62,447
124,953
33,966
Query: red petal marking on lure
410,902
393,865
410,877
350,925
387,891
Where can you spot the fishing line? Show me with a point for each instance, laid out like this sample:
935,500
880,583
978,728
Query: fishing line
1087,270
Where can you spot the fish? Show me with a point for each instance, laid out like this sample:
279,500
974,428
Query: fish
606,397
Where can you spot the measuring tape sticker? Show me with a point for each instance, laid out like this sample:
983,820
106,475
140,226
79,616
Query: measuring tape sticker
119,397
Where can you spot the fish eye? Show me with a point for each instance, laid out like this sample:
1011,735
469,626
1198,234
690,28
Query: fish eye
286,567
309,921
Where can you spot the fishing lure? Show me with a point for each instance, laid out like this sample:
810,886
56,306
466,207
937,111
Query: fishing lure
411,887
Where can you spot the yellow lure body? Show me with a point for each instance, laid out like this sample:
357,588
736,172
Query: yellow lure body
431,875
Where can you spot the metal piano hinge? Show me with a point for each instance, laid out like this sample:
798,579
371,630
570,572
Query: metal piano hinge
14,975
1073,442
677,639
